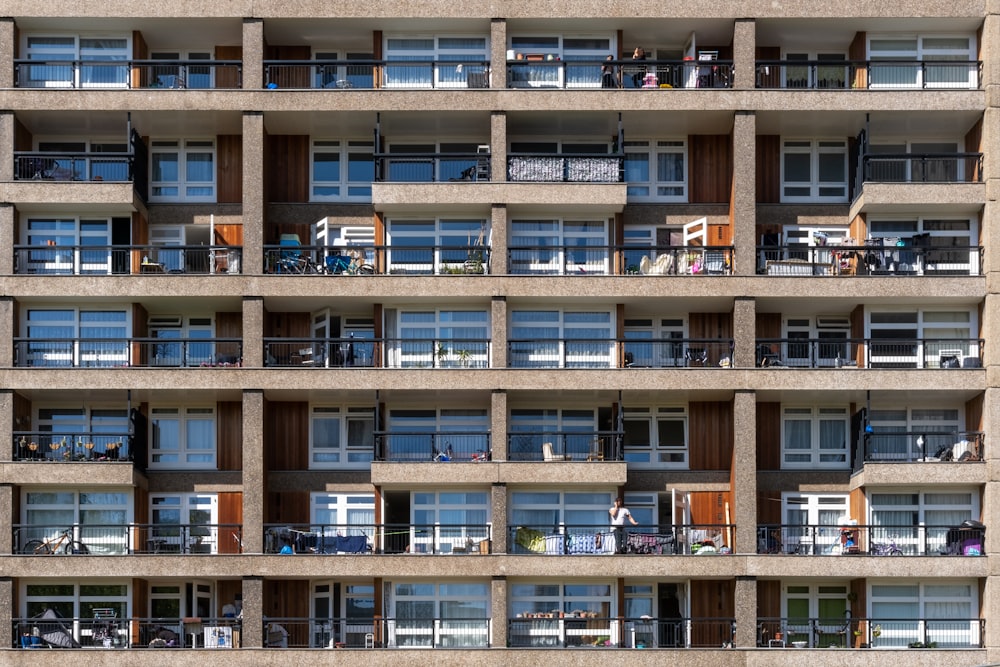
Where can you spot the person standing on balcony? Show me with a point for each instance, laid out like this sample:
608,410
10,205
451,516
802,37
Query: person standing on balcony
639,71
619,513
610,75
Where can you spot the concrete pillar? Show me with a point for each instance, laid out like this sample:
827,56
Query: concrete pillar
498,240
7,426
745,54
8,51
253,53
498,612
7,121
498,331
7,332
498,53
744,332
744,192
252,632
991,496
254,478
7,518
498,425
498,512
746,612
7,613
498,146
744,491
253,193
253,329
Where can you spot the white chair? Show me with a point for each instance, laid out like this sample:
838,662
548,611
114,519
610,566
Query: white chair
548,454
308,356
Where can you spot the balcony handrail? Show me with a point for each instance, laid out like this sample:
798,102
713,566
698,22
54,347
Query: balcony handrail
538,71
571,539
126,352
378,632
566,167
566,445
378,538
847,631
871,540
73,447
133,538
871,353
858,74
466,166
120,632
46,166
382,73
594,353
127,259
23,67
560,629
923,446
472,446
934,167
871,259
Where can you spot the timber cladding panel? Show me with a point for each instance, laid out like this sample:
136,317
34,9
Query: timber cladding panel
768,436
710,439
712,599
229,171
231,518
287,436
711,168
286,168
288,599
229,434
768,166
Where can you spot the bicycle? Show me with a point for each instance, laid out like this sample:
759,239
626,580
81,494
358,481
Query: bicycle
52,545
882,549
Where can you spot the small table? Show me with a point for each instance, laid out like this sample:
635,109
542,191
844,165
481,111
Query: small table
151,267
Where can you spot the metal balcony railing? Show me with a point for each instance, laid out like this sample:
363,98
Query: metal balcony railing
676,260
92,167
620,353
566,168
132,538
922,168
368,74
46,446
874,258
888,446
423,632
540,71
836,540
869,74
565,539
837,351
565,446
577,628
95,260
134,74
874,632
128,352
432,167
382,538
108,629
441,446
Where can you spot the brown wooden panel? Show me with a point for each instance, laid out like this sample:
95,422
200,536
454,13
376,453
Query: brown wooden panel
228,325
140,75
229,434
288,325
710,435
711,599
768,325
290,76
229,169
710,167
228,235
287,436
768,507
709,507
858,50
287,507
710,325
144,516
140,606
22,137
286,170
230,512
229,77
288,598
768,164
769,599
768,436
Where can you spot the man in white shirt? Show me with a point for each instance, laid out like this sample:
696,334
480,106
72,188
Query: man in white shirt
619,513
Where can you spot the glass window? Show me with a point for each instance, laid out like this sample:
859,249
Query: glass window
182,437
442,339
438,246
182,170
341,437
186,523
342,170
814,171
555,614
814,437
459,609
96,518
656,436
561,339
656,170
76,62
943,611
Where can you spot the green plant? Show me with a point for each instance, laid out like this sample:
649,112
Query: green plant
464,356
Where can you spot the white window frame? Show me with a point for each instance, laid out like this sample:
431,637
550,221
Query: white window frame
941,255
922,50
433,524
810,521
343,188
468,422
832,346
72,235
336,510
77,420
184,188
813,76
182,76
554,244
80,605
442,75
344,453
416,628
200,536
663,338
436,244
911,536
657,188
427,338
557,351
815,594
81,353
339,625
819,191
68,501
814,455
921,325
655,454
183,455
530,599
936,423
918,596
536,425
586,75
74,57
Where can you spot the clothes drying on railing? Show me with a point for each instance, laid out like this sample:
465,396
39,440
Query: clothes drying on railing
644,543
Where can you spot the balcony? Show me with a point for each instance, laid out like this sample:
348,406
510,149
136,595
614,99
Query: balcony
603,353
579,628
92,167
424,632
878,257
954,633
565,168
829,540
921,168
369,74
839,352
565,446
105,629
433,167
431,539
423,447
128,352
95,260
868,74
923,447
400,353
121,539
565,540
124,74
83,447
541,71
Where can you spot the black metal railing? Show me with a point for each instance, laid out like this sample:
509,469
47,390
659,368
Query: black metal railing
876,632
127,352
836,540
546,72
441,446
438,260
92,167
899,257
432,167
108,629
869,74
423,632
132,538
923,446
579,628
566,168
566,539
922,168
46,446
565,446
566,260
838,351
135,74
381,538
677,260
619,353
369,74
60,259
